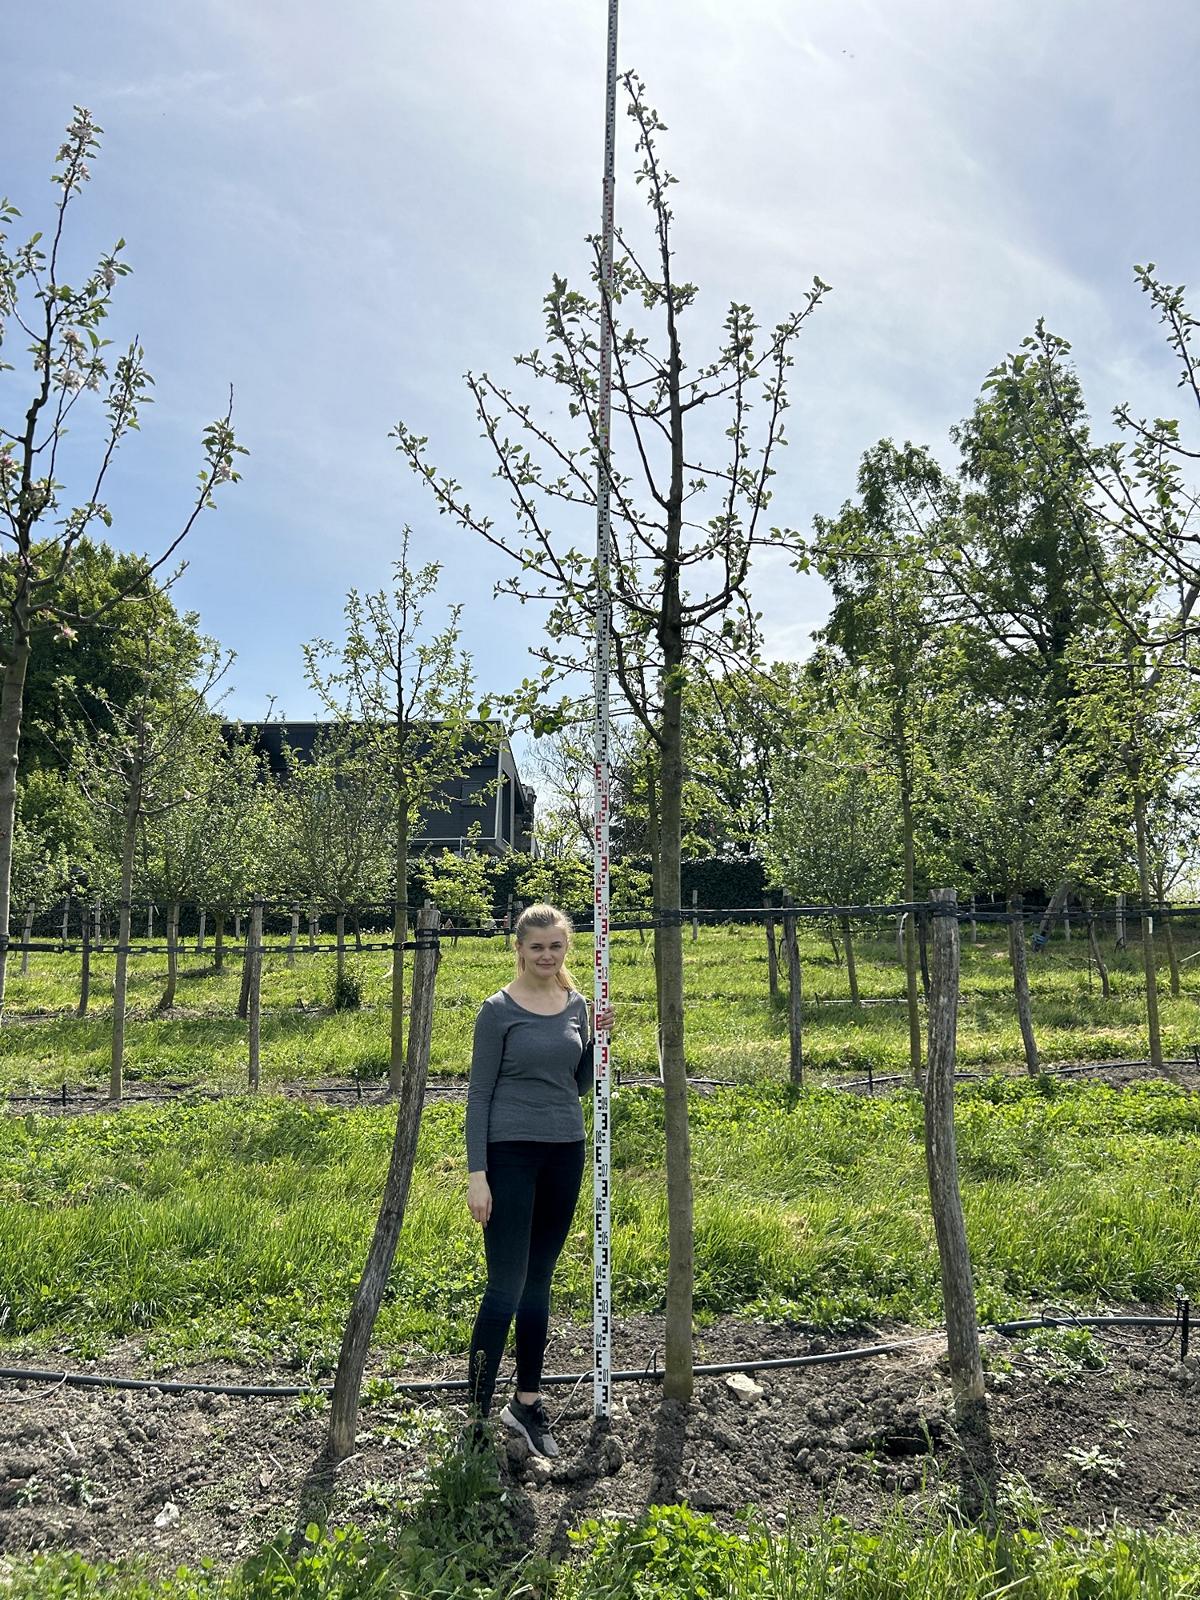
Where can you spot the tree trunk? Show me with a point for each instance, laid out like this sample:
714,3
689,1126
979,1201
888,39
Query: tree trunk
941,1160
313,919
26,936
923,952
399,938
219,943
254,997
341,945
243,1005
368,1297
201,932
66,920
1121,939
12,699
910,931
357,921
677,1383
85,970
150,922
851,964
1094,947
1045,927
653,835
1148,962
772,954
168,999
133,807
293,937
1172,952
795,1015
1020,972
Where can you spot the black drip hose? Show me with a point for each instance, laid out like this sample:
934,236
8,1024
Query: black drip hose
649,1374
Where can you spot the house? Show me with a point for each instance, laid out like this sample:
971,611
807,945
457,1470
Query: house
489,793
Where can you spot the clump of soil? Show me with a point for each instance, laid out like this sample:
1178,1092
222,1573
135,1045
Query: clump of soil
111,1473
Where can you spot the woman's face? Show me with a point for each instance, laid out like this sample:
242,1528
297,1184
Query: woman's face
543,950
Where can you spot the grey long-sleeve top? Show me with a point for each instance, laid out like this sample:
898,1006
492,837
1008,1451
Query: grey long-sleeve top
528,1074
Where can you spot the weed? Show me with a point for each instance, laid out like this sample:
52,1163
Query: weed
1064,1354
347,992
1090,1461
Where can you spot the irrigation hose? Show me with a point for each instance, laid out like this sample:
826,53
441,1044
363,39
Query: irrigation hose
649,1374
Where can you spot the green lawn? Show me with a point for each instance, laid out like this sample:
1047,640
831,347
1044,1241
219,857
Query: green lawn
238,1227
733,1030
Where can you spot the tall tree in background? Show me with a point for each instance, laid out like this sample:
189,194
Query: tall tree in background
1136,710
835,828
1173,849
203,841
42,531
406,698
1016,820
887,631
684,535
740,727
40,874
1019,558
138,767
334,827
1142,494
236,812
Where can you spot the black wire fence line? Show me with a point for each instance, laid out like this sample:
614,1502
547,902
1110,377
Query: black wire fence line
364,1087
655,919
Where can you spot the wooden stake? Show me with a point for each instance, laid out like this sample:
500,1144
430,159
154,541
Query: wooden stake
254,1006
795,1015
941,1158
368,1297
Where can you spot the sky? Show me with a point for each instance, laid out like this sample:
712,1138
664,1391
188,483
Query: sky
339,211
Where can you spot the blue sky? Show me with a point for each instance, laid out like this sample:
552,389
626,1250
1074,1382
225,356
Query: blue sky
339,210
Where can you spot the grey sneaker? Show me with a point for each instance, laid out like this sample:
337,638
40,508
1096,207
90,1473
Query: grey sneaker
532,1424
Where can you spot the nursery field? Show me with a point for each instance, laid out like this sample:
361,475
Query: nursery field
221,1239
734,1030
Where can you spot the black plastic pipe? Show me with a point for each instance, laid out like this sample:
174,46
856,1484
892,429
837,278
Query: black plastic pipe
652,1374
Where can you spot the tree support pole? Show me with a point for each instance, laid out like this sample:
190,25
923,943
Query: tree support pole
941,1156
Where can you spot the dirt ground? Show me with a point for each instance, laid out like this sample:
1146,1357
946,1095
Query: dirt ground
110,1473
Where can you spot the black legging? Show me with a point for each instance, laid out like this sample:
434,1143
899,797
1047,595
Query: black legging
534,1189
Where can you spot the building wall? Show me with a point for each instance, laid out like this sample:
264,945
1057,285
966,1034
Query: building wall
489,792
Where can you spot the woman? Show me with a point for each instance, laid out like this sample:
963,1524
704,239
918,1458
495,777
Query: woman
531,1064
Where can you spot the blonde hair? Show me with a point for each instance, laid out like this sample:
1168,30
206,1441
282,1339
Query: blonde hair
544,916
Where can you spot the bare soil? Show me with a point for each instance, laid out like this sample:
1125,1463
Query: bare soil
110,1473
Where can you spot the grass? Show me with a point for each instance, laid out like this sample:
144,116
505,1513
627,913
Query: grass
458,1544
237,1228
734,1031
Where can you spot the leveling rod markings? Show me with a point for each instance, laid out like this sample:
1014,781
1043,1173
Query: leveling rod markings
602,1149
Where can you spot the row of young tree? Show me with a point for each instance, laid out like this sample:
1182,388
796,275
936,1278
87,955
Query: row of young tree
1002,694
